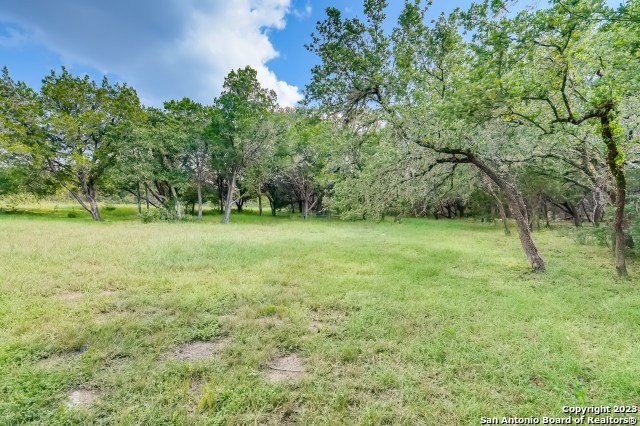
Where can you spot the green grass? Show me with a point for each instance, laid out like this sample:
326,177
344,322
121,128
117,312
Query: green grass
422,322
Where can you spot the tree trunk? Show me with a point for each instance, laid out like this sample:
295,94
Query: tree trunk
95,212
220,184
545,212
229,201
139,200
199,200
518,210
575,213
260,204
89,193
503,216
178,205
586,213
146,195
616,167
272,205
598,212
306,208
499,206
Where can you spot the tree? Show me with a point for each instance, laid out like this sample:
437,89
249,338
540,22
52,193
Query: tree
67,129
192,119
310,143
241,127
21,170
571,65
411,81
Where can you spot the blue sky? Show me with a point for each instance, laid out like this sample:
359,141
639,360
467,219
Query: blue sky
168,49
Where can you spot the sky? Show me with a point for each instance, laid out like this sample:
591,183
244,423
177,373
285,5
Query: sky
169,49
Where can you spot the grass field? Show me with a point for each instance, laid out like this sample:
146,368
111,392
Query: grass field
320,322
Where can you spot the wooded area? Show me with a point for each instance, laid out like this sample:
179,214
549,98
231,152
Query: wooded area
530,116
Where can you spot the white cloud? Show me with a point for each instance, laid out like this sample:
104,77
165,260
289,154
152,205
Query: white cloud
305,12
165,49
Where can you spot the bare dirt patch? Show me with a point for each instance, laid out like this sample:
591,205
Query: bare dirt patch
195,351
288,369
82,398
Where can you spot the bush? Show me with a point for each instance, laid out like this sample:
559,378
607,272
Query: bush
163,214
588,235
72,215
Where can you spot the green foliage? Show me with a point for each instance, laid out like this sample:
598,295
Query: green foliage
163,214
64,131
600,236
240,121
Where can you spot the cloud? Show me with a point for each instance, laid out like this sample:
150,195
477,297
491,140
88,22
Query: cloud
14,37
166,49
305,12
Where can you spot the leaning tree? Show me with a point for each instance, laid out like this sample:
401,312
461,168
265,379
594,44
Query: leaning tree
418,81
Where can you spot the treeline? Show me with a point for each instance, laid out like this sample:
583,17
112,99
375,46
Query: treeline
531,117
96,140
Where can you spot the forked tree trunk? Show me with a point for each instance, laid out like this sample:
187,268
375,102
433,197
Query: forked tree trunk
93,208
229,201
616,167
89,193
178,205
519,212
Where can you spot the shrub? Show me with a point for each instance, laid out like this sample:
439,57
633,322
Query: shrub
589,235
163,214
